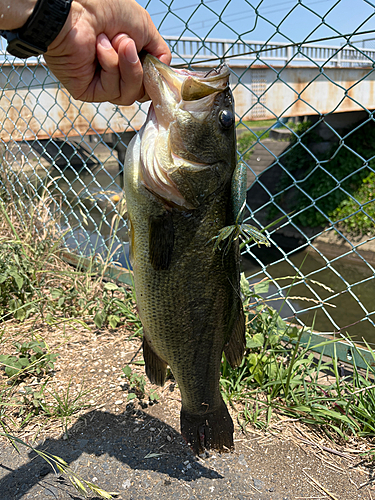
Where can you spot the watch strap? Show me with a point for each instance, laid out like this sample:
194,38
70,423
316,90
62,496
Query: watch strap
40,30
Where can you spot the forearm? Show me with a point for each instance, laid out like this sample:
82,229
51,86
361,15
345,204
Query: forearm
15,13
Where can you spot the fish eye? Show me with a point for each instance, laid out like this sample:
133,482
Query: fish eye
226,118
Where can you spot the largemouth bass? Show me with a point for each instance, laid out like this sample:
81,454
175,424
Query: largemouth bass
178,176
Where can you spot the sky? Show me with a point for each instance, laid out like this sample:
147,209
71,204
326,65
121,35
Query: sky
265,20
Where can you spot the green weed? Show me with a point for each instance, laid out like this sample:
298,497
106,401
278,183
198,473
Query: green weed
26,404
113,307
36,287
31,358
250,135
340,180
80,484
17,286
63,405
246,142
356,216
279,375
35,283
137,385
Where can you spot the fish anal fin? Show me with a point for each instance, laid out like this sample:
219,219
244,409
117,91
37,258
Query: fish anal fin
235,347
156,368
161,241
207,431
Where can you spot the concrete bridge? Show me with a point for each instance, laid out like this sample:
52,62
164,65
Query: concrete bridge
275,80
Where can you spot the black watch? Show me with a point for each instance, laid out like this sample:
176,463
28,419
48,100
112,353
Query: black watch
40,30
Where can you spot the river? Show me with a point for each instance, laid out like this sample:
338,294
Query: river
352,283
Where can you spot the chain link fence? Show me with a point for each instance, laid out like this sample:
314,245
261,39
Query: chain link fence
305,100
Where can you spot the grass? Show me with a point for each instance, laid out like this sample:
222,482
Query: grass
280,377
250,134
35,281
40,293
246,143
356,214
277,377
65,404
256,123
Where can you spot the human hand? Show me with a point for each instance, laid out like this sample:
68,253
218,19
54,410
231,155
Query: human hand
95,56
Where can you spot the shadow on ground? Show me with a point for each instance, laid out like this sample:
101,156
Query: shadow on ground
132,438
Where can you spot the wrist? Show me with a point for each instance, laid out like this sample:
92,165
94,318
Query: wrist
15,13
40,30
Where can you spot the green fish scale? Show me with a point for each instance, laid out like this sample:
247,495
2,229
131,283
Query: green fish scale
187,311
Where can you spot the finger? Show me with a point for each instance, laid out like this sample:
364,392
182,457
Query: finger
117,39
131,88
109,83
156,45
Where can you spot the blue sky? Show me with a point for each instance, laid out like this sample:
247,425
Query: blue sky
289,20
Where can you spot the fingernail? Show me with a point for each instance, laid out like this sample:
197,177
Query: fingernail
104,42
131,53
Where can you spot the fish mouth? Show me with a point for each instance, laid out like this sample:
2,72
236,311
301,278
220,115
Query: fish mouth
170,88
190,85
171,91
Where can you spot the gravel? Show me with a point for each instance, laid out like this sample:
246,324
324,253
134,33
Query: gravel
155,463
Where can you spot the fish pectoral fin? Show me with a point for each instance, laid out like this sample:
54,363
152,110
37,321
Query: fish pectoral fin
235,346
161,241
238,194
197,181
156,368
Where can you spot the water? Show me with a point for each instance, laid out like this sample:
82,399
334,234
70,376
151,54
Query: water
99,191
352,283
342,310
91,200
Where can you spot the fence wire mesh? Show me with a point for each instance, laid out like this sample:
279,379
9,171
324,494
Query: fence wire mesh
305,100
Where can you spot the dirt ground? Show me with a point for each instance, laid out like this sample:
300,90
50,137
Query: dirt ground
134,447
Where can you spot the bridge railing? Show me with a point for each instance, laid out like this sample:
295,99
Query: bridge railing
195,50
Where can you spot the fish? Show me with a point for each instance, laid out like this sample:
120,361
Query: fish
178,186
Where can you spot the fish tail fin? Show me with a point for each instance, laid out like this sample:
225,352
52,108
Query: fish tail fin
210,430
